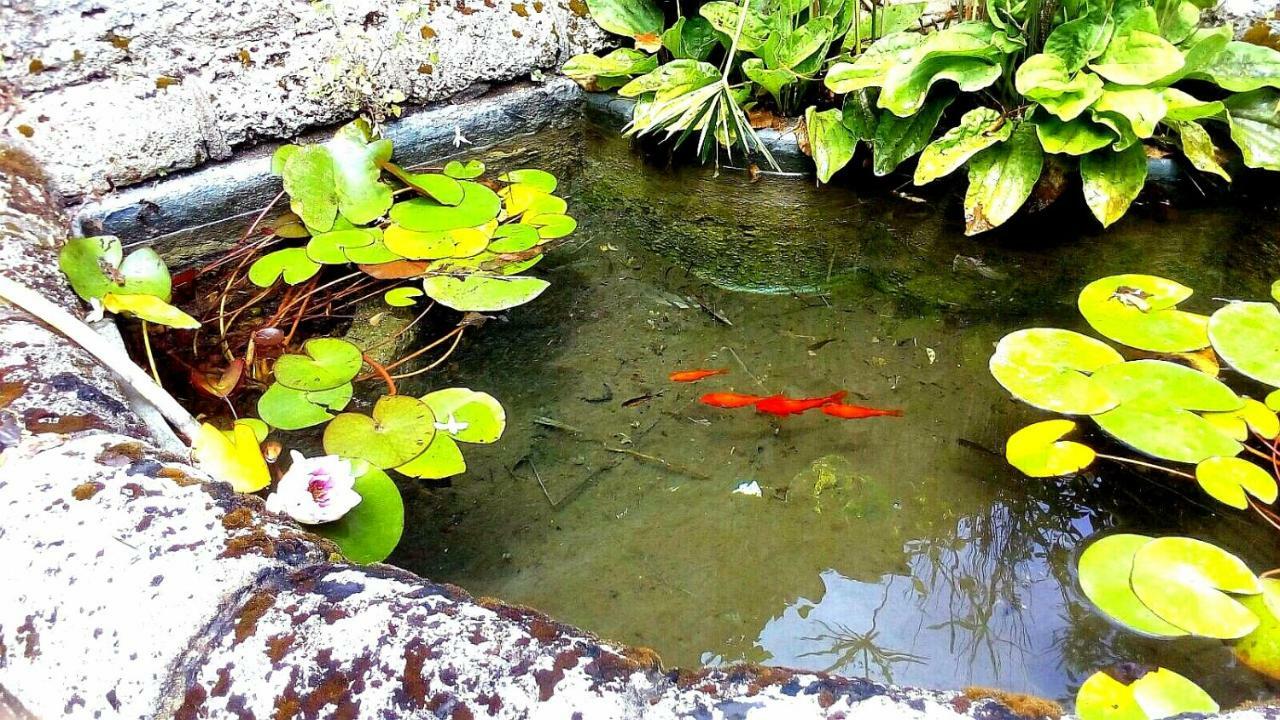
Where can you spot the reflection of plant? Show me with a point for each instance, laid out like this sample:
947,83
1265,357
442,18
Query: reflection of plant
849,645
456,240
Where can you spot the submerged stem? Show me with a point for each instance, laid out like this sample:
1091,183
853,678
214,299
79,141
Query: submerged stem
1143,463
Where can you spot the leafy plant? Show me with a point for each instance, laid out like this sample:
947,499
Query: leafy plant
1157,694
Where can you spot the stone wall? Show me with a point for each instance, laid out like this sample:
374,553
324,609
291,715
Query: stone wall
115,92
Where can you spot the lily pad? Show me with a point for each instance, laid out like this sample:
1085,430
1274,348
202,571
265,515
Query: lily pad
464,170
483,293
1166,382
1247,336
514,237
151,309
330,248
292,264
468,242
1039,451
444,189
1049,368
467,415
1186,581
1104,570
1162,431
1260,649
370,531
479,205
401,296
1138,311
1164,693
1227,479
236,460
537,179
440,460
400,429
375,253
430,245
96,266
521,198
1253,417
288,409
327,363
357,157
550,226
260,429
1102,697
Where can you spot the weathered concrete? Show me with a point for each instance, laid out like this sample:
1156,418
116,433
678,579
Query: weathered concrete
118,92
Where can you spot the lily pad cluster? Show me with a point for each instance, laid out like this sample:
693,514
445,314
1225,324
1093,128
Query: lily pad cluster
1019,94
138,285
465,240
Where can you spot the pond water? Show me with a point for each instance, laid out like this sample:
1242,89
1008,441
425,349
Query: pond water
900,549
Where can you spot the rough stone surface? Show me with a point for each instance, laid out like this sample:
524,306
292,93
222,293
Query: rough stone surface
117,92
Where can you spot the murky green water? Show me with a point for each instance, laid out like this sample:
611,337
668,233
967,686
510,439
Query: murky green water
893,548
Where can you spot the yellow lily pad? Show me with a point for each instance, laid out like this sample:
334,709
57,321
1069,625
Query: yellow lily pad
1186,581
1139,311
1104,570
236,460
1050,369
1227,479
1039,450
1254,416
151,309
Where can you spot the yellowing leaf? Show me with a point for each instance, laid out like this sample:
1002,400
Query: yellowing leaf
151,309
237,460
1227,479
1039,451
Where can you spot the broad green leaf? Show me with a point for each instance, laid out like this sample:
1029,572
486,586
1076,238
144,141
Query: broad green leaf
1104,571
292,264
1045,79
773,81
401,296
727,17
608,72
237,460
1255,127
370,531
672,79
468,170
1001,178
1162,431
432,245
870,68
1243,66
1167,382
1199,149
861,26
1253,417
1102,697
442,459
1164,693
1078,41
1136,57
1181,106
400,429
1185,582
803,43
1227,479
830,142
1260,649
1177,19
540,180
362,196
1039,451
1112,180
288,409
96,266
978,130
1078,137
514,237
479,205
690,38
308,175
329,248
1138,311
1199,50
483,293
375,253
1049,368
467,415
1142,108
638,19
325,363
899,138
1247,336
259,428
151,309
962,53
859,114
442,188
519,198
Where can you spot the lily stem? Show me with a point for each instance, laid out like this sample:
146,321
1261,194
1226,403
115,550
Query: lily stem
1142,463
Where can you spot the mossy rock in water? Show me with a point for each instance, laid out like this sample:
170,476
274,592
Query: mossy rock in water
832,484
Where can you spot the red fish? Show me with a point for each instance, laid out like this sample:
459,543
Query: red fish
729,400
781,405
857,412
694,375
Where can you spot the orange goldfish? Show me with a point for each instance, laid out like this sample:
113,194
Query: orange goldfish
729,399
857,412
781,405
694,375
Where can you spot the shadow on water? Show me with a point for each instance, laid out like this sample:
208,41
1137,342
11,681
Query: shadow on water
902,549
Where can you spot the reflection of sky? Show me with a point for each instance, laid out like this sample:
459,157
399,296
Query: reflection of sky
977,611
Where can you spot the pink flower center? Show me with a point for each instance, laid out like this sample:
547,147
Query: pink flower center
318,486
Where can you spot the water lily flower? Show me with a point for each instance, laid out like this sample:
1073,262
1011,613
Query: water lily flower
315,490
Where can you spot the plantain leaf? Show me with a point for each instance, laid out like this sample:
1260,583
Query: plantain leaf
978,130
830,142
1112,181
1001,178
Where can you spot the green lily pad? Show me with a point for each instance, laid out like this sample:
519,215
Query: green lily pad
1166,432
292,264
521,198
538,179
1227,479
467,415
370,531
514,237
330,248
288,409
444,189
468,242
260,429
440,460
327,363
414,245
401,296
1164,693
550,226
1049,368
483,293
400,429
1260,649
464,170
357,157
308,175
1185,582
1104,570
1039,451
519,267
96,266
1138,311
1247,336
479,205
375,253
1102,697
1166,382
1254,416
149,308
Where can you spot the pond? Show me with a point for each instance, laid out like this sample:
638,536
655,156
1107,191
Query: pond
903,549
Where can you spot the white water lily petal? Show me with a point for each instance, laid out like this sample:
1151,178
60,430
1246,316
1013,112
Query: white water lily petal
315,490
